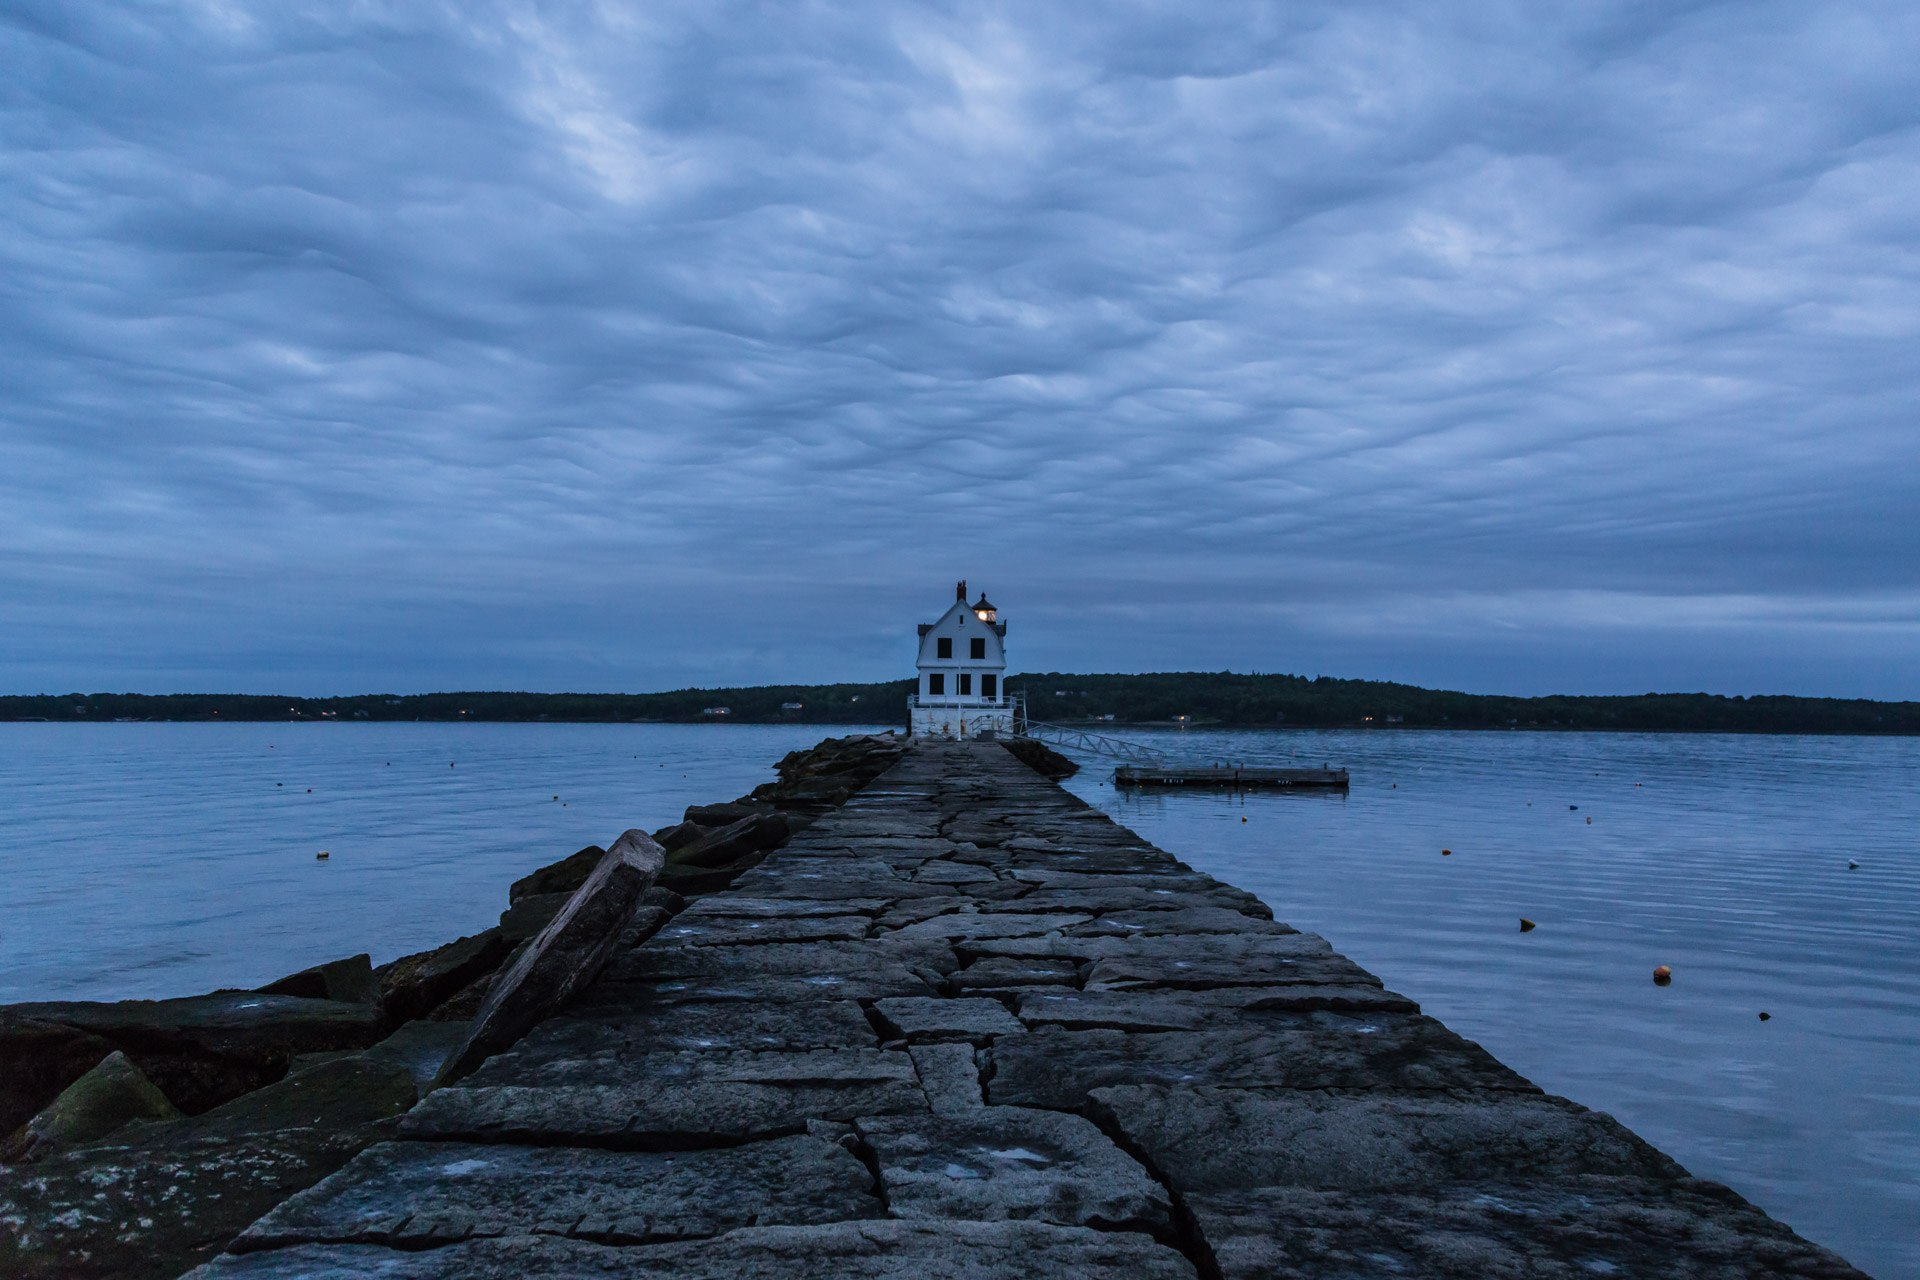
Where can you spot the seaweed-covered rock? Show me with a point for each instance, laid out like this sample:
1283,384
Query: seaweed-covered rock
350,980
563,876
200,1051
93,1106
413,986
37,1060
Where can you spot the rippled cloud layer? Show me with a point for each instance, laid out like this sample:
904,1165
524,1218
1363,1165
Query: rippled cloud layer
622,347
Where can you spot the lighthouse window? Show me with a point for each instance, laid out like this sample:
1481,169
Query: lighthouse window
977,647
943,647
987,683
936,682
966,683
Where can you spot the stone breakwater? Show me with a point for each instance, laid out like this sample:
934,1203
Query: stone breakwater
967,1025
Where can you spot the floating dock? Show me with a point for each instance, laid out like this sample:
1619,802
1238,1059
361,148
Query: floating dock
1229,777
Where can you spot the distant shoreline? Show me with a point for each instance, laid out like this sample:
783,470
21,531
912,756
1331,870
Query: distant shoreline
1207,700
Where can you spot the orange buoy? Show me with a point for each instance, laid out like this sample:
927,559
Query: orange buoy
1526,925
1662,976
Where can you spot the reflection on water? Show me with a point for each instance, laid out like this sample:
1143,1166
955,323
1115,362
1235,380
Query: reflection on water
1723,857
150,860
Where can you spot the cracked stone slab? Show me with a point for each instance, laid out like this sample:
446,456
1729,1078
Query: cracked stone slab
725,931
414,1194
998,973
930,1021
1210,1139
617,1033
1151,1010
787,988
954,873
725,904
949,1075
669,1100
877,1250
890,954
1010,1163
1182,920
1055,1067
1552,1230
980,924
1096,901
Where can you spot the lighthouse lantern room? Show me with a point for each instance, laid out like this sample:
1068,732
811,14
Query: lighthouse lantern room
963,664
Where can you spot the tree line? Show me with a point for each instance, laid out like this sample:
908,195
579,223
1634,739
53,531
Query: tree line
1223,699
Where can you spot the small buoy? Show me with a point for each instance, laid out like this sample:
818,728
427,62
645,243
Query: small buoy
1636,784
1573,806
1589,821
309,790
556,797
449,764
1526,925
1765,1016
279,784
320,856
1243,817
1852,865
1662,976
1446,853
1396,786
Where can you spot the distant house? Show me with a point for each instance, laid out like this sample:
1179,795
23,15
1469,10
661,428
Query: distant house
716,711
791,706
962,662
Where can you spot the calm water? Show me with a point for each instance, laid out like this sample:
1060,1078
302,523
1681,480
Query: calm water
1723,857
149,860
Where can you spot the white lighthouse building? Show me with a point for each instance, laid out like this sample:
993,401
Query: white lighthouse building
963,665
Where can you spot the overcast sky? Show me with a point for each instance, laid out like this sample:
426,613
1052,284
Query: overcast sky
1522,348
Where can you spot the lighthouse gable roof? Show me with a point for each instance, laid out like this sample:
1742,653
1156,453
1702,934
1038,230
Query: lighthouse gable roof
959,623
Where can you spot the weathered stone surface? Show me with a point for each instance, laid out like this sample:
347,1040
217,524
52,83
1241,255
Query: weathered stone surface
931,1021
827,878
350,980
563,876
530,914
566,956
772,989
853,959
109,1212
975,924
1185,920
1102,901
999,973
413,986
950,1077
1552,1230
668,1100
1054,1067
108,1096
869,1250
740,904
421,1048
1006,1162
757,832
337,1095
412,1194
199,1050
1041,758
1153,1010
1369,1141
712,931
954,873
620,1034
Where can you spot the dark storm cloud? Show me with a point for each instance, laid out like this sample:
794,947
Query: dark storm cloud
618,346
